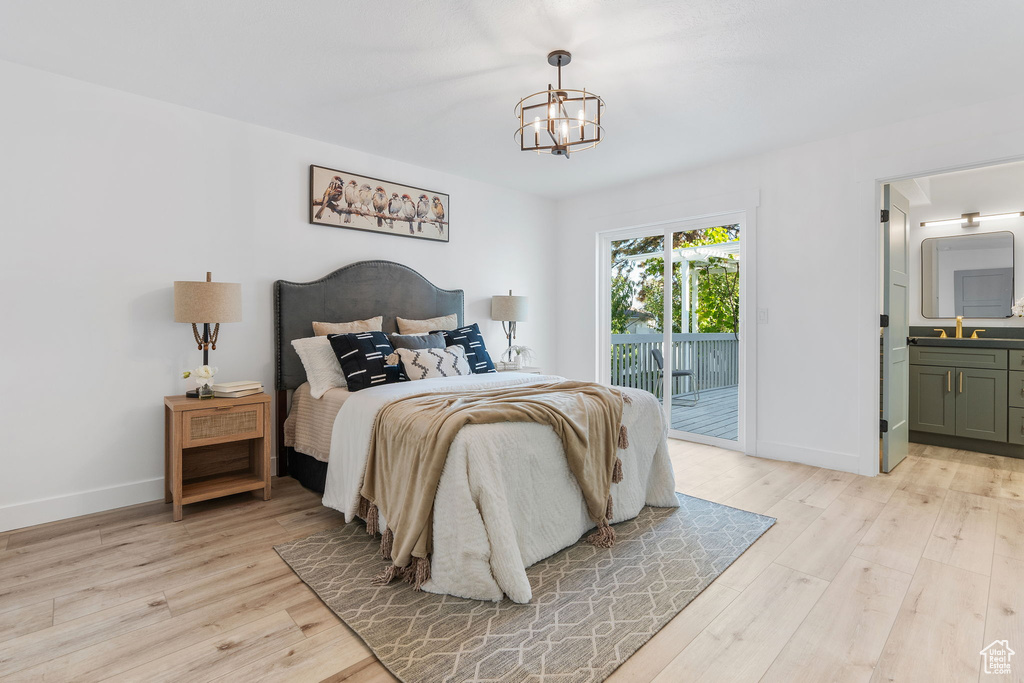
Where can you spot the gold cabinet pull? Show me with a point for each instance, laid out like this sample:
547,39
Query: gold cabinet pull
949,382
961,382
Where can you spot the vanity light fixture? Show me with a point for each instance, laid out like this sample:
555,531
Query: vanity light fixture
559,120
972,220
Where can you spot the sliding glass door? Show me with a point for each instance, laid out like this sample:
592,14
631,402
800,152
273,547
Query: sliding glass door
675,325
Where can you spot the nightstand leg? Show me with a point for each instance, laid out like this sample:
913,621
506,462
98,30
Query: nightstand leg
175,467
168,430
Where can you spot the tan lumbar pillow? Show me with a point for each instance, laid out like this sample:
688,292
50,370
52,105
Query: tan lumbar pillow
444,322
368,325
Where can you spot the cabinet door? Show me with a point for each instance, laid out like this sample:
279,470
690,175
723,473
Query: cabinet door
981,404
932,399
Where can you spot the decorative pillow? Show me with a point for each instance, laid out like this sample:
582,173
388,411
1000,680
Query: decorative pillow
364,359
470,339
323,371
431,340
444,322
368,325
428,363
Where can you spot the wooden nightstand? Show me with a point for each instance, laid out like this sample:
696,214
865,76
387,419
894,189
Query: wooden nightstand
215,447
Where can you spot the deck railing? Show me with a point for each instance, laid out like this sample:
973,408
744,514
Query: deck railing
715,357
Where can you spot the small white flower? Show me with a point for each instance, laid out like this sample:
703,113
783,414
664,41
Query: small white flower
204,375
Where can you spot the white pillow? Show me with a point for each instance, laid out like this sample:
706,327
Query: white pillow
444,322
428,363
368,325
323,371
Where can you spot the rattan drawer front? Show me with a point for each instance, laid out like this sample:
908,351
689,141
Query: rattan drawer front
218,425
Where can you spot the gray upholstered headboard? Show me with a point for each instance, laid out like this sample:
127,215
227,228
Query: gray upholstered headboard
361,290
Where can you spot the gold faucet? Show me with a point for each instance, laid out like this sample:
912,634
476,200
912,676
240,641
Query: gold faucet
959,327
941,331
975,335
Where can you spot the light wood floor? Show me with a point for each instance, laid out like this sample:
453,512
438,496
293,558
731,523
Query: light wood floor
895,578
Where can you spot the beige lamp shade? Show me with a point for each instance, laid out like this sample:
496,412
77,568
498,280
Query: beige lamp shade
510,308
207,302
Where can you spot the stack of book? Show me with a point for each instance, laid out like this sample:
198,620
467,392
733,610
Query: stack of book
237,389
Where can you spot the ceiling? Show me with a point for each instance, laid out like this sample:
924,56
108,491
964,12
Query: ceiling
434,82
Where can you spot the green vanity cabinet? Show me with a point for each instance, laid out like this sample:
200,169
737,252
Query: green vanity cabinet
932,399
981,404
960,392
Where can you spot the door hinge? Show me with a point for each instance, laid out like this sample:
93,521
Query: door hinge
883,426
885,215
883,320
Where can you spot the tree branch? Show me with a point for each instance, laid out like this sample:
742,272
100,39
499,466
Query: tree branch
373,214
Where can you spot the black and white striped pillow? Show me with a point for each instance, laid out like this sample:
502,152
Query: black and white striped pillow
428,363
364,359
472,341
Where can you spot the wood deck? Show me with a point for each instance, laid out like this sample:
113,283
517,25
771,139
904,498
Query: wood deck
716,414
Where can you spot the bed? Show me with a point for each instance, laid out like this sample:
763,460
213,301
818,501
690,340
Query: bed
506,498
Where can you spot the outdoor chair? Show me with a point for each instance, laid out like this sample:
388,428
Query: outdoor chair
659,360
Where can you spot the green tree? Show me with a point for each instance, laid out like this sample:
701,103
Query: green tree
638,285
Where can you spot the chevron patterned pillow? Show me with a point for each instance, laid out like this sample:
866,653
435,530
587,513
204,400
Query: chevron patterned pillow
428,363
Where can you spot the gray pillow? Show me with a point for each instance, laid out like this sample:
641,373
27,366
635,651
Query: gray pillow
433,340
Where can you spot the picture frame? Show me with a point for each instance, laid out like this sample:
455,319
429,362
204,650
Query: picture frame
341,199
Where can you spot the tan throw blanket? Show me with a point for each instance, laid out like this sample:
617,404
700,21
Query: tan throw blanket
412,436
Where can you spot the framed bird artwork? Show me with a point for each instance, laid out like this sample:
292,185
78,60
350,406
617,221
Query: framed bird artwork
347,200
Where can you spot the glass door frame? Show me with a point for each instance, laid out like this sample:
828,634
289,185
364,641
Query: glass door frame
745,391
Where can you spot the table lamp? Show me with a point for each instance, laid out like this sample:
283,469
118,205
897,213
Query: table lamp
508,309
208,303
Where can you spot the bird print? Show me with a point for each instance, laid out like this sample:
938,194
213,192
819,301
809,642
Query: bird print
422,211
351,198
331,195
408,212
380,203
394,208
365,195
438,209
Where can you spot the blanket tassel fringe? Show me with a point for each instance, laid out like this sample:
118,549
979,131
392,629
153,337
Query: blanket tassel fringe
623,437
604,537
387,540
386,576
416,574
617,471
372,520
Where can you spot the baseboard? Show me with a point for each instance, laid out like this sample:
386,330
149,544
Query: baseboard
843,462
45,510
56,508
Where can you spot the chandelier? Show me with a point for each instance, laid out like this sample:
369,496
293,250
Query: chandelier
559,120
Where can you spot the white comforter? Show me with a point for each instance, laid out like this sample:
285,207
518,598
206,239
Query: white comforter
506,498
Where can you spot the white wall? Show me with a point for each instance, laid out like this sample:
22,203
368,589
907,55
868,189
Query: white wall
106,198
817,267
991,190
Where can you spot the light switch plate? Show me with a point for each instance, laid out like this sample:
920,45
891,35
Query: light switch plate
762,316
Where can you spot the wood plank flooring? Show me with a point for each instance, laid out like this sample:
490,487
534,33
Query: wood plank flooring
902,577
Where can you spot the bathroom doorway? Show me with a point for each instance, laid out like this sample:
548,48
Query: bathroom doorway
950,249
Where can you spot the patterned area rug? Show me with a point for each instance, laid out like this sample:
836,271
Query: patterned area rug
591,608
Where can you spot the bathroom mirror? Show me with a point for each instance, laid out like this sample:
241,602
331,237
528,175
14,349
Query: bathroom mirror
968,275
